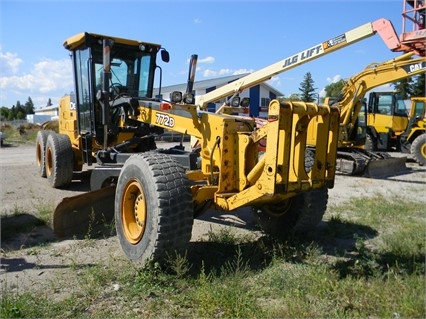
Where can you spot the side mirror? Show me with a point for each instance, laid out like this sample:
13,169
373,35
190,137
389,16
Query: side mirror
165,56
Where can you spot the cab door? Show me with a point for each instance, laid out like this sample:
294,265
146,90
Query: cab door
84,91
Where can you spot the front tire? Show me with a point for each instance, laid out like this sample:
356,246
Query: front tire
153,207
418,149
296,215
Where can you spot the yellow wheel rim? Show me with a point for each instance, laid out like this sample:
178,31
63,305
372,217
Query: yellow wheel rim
423,150
49,161
39,153
133,212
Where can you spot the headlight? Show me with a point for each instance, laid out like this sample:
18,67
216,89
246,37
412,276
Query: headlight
188,98
235,102
176,97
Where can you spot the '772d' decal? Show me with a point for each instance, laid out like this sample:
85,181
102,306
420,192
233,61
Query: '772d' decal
164,120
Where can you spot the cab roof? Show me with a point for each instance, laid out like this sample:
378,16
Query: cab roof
85,39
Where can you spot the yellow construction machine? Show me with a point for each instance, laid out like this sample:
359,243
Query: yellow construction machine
111,123
393,125
387,119
413,140
353,158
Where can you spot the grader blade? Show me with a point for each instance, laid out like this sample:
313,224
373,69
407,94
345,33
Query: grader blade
79,214
386,167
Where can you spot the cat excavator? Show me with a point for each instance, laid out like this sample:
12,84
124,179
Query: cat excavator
388,124
353,158
154,194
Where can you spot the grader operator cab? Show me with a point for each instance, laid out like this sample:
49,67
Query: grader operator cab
155,193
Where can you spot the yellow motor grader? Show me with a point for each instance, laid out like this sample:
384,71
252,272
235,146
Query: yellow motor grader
111,123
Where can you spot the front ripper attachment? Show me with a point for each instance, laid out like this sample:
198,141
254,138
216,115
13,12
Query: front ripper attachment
78,214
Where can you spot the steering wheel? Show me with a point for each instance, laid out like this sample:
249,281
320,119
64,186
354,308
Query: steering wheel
115,88
115,85
385,110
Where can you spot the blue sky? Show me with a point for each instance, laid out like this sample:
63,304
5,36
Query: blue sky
229,37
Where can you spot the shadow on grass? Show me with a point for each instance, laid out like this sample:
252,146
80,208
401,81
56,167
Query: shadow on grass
10,265
367,263
26,230
345,241
228,250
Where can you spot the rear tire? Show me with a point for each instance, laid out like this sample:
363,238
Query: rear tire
58,160
418,149
40,151
153,207
297,215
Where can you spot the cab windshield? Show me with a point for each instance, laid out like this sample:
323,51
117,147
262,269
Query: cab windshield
130,77
132,74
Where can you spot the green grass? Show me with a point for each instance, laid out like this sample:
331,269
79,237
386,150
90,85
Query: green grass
367,261
400,223
26,133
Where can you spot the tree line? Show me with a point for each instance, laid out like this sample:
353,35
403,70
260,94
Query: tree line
413,86
409,87
19,111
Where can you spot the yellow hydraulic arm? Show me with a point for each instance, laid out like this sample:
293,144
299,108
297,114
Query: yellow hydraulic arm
374,75
382,26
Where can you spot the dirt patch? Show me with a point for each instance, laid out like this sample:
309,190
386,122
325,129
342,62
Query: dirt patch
32,258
